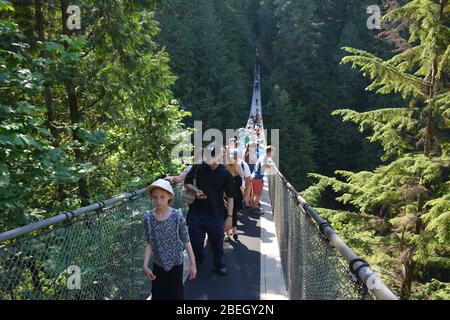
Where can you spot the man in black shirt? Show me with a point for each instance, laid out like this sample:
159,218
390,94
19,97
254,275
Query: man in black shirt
206,213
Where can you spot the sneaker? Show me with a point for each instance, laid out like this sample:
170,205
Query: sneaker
222,271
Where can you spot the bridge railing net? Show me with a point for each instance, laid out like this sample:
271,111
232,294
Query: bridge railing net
106,245
313,270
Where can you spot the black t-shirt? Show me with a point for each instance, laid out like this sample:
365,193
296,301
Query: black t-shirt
214,183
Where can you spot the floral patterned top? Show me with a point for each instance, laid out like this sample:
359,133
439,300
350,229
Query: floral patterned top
167,238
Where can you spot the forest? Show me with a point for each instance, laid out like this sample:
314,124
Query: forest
363,114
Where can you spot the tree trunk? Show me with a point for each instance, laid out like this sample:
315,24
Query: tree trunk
409,266
48,97
429,128
75,114
428,134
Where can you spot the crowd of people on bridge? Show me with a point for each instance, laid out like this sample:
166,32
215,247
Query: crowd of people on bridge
227,182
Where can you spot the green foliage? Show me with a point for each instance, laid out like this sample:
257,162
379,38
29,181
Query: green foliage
394,128
211,55
408,195
27,160
89,112
433,290
6,5
300,43
384,75
297,143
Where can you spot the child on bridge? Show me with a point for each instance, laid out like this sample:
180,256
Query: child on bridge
166,234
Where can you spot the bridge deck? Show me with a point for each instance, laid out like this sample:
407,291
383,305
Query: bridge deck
253,263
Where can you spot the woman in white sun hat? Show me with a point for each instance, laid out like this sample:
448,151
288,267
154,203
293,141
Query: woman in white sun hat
167,235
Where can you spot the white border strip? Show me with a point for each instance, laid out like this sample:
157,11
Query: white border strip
272,286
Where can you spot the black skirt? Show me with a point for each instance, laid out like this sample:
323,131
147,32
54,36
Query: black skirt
168,285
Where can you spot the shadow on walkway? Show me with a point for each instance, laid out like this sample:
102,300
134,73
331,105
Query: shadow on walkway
242,258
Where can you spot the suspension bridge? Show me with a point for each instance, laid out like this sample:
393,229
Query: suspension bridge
286,252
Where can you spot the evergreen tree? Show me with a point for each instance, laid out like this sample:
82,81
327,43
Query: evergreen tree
404,204
94,106
301,54
297,143
28,161
210,54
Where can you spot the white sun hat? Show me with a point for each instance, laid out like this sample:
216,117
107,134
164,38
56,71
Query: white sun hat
161,184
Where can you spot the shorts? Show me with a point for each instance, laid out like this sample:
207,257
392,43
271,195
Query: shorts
257,186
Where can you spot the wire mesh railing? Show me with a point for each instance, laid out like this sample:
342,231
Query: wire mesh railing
311,266
97,254
317,264
105,244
